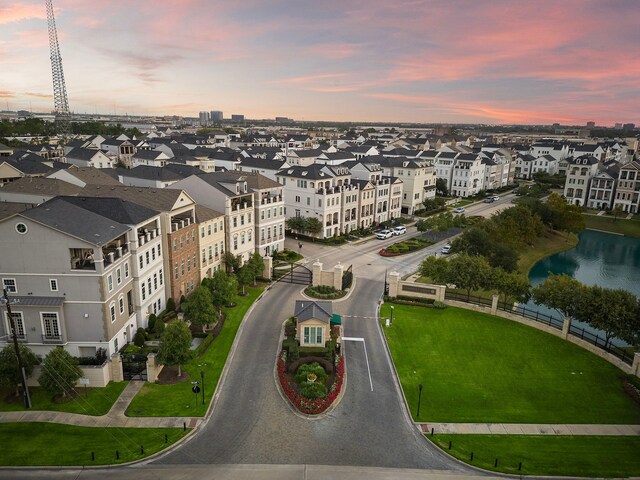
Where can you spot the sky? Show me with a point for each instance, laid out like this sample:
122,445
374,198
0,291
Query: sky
452,61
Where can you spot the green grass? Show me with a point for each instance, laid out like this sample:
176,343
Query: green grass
39,444
550,243
480,368
177,400
462,203
575,456
92,401
629,228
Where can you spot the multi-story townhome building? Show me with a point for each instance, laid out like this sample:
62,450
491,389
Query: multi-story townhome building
388,189
267,168
83,176
122,150
317,191
366,203
628,190
492,173
545,164
524,166
70,275
589,150
211,240
603,187
443,165
147,265
303,158
468,175
506,167
150,158
88,157
558,151
579,174
178,228
227,193
417,176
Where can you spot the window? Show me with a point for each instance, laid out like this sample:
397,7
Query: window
249,218
126,270
21,228
153,253
210,252
160,276
176,271
146,257
215,228
18,322
235,242
216,249
159,251
141,262
144,291
53,284
249,235
204,255
222,247
188,264
313,335
110,282
242,238
202,232
155,281
121,304
175,244
115,344
149,285
262,215
118,276
235,221
209,229
9,285
182,267
241,219
181,241
193,235
195,262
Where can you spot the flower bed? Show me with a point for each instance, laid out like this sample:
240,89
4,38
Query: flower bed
305,405
404,247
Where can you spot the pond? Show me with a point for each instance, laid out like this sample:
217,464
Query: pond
600,258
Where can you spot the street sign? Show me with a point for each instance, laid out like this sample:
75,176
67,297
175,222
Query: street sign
84,381
195,389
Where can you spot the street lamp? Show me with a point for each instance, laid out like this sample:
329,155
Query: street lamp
391,321
202,377
419,398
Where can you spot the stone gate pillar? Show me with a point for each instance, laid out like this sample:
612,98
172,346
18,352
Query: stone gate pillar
338,270
635,367
267,271
566,325
153,368
494,304
117,375
317,273
394,283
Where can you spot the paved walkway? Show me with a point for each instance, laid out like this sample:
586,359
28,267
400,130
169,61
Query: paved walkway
114,418
530,429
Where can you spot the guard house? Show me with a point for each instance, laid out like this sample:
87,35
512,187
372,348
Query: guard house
313,322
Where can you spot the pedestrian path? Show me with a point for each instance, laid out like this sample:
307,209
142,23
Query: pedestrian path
114,418
529,429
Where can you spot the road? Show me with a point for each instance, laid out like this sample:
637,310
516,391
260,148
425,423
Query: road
253,425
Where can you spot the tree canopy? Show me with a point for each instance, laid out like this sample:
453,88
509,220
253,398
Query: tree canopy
200,309
175,345
60,372
10,375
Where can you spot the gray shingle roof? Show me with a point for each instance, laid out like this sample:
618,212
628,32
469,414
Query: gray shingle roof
307,309
116,209
46,186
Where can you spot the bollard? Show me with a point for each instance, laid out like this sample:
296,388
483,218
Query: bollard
432,431
141,449
184,426
472,456
117,455
93,455
520,466
449,444
166,438
495,464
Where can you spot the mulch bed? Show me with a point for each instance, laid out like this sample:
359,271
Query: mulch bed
169,376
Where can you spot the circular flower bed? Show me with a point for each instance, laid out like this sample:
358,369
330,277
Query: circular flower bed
404,247
310,397
324,291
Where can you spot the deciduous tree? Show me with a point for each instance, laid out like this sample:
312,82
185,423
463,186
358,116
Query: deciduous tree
562,293
200,309
175,345
60,372
10,375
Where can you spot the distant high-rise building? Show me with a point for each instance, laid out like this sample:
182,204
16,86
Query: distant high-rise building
283,120
627,127
204,118
618,126
237,118
216,116
591,124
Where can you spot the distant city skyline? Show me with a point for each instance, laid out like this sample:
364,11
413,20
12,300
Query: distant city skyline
457,61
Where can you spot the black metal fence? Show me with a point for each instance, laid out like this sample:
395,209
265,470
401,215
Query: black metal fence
549,320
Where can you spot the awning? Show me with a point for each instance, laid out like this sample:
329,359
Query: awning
336,319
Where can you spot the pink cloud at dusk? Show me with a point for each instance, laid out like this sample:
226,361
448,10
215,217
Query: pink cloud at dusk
502,61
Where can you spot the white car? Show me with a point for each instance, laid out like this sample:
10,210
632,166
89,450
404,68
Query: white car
446,249
458,210
384,234
399,230
496,198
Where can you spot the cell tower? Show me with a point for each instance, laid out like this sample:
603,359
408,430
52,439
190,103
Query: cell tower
61,104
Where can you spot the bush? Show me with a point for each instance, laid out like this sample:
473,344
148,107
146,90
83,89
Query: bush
171,305
313,352
204,346
440,305
406,298
159,326
313,390
310,368
139,337
151,322
290,328
290,345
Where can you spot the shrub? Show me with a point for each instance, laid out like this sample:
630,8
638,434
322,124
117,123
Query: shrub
159,326
307,368
290,328
440,305
171,305
313,390
152,322
139,337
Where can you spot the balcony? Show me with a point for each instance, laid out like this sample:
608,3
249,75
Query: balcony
270,199
145,235
111,253
178,223
52,339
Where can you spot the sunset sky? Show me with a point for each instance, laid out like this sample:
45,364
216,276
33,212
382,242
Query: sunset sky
473,61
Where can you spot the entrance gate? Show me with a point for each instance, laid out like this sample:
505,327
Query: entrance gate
134,367
292,273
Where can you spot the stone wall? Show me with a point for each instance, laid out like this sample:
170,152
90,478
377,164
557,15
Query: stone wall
331,278
399,287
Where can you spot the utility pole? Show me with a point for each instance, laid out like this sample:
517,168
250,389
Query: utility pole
60,101
14,334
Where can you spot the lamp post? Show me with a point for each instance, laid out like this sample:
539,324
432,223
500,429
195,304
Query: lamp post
419,398
202,378
23,376
391,321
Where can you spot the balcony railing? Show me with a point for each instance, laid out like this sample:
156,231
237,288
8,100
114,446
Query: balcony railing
270,199
52,339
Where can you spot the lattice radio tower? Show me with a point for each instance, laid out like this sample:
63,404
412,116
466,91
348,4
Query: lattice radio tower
61,104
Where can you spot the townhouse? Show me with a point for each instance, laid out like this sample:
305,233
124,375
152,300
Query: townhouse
628,190
388,194
87,157
211,240
603,186
467,177
121,150
580,171
417,175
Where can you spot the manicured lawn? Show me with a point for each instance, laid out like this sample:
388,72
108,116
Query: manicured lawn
575,456
37,444
630,228
93,401
480,368
552,242
178,400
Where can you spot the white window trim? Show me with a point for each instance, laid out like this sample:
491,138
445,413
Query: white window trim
121,304
51,280
15,285
114,316
110,282
8,324
44,331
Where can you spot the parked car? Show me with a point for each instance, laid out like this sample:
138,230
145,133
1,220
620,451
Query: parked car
489,200
496,198
384,234
458,210
446,249
399,230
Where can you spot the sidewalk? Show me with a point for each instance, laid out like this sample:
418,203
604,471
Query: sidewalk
114,418
529,429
